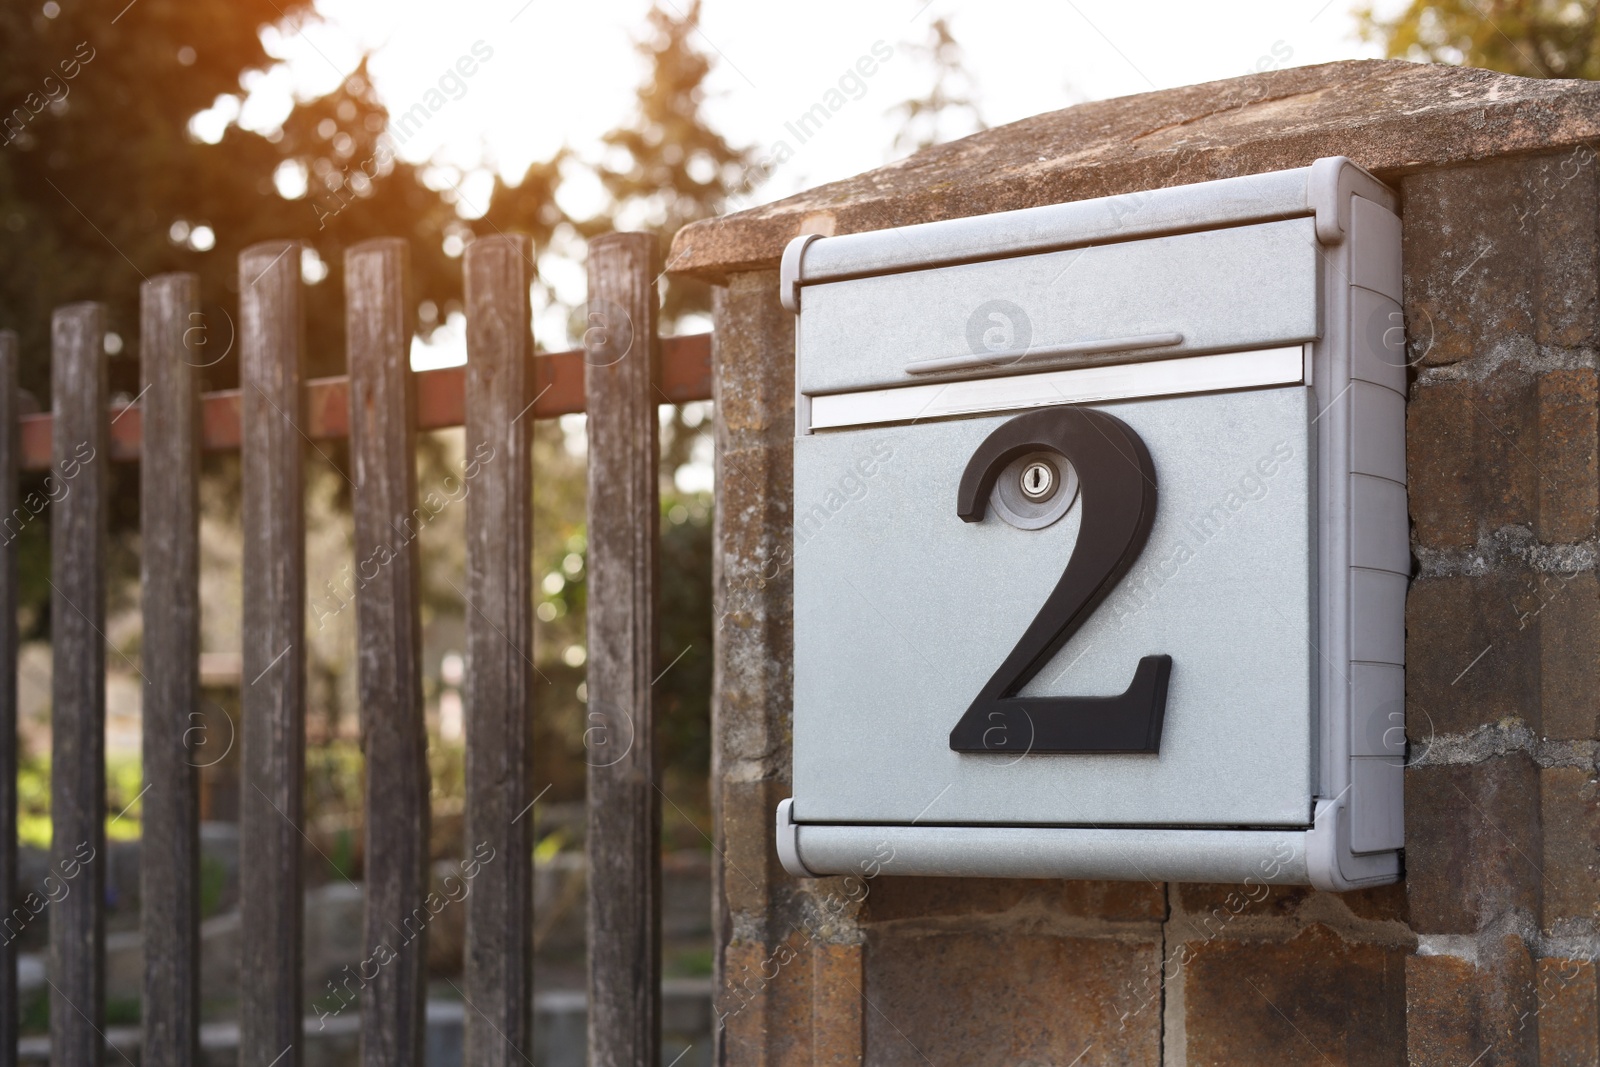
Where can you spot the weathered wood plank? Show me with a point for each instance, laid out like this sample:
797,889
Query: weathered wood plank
498,694
441,399
271,358
389,650
77,686
10,439
624,837
169,581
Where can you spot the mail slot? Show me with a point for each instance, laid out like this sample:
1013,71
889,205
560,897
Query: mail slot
1100,539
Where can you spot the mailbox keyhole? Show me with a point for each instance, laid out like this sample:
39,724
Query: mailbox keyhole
1034,490
1038,480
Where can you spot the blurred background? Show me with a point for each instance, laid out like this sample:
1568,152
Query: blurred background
158,135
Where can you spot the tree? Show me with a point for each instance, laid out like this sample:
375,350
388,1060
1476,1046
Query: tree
103,185
1533,38
950,108
667,167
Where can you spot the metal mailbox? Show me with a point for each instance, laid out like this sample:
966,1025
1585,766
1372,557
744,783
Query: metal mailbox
1101,544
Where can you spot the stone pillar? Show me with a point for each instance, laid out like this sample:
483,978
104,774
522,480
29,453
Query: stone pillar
788,976
1486,953
1503,619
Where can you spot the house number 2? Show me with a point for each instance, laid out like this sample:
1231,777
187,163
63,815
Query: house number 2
1118,483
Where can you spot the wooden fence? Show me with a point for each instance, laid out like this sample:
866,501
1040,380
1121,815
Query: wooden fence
620,377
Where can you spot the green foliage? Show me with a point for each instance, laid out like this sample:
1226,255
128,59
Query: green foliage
106,186
684,690
1533,38
34,1012
91,172
342,857
549,846
33,801
333,779
124,784
103,186
688,963
122,1011
124,780
213,883
560,640
447,770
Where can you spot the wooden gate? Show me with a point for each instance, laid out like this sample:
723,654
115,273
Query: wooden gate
620,377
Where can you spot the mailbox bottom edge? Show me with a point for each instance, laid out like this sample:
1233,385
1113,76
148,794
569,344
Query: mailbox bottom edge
1317,856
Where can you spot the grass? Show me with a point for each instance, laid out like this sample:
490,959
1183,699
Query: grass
124,780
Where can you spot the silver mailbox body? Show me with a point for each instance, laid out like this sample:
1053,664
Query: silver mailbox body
1100,539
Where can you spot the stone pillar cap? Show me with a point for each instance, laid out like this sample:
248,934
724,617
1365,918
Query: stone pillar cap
1390,116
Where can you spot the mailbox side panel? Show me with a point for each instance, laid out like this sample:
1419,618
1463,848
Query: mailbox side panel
903,611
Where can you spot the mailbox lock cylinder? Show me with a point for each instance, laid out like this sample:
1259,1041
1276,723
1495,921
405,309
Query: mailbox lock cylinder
1035,490
1038,480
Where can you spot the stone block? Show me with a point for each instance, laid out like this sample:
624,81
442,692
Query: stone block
924,898
1569,809
1269,1002
984,998
1440,1017
749,854
1501,252
1472,653
837,1020
1569,655
1470,458
1569,1013
1569,489
1472,844
765,1004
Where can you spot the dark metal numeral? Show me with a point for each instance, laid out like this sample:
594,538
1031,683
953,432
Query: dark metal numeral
1119,507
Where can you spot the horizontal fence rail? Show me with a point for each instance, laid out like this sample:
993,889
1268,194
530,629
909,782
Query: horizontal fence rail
621,377
441,401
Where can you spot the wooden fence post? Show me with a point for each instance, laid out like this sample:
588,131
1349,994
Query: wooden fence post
271,355
499,678
78,689
169,580
389,650
624,836
10,443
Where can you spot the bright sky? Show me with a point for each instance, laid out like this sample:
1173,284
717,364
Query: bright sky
551,72
562,73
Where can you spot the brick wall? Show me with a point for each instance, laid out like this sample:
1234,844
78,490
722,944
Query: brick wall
1483,955
1503,617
